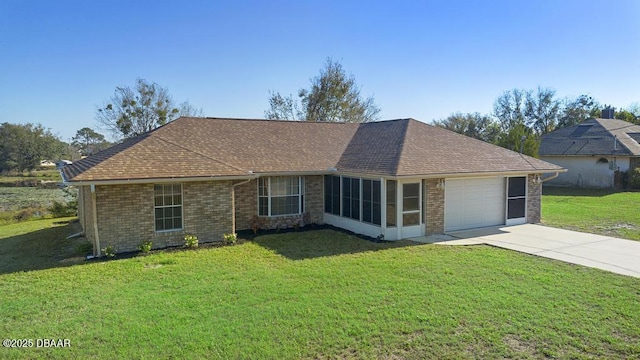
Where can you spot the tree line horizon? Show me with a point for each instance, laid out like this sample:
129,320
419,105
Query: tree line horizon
518,120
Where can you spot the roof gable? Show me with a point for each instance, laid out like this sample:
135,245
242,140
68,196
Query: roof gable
375,148
593,137
212,147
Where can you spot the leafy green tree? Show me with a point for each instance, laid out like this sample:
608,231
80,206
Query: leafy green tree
577,110
520,138
333,96
475,125
542,110
23,147
88,141
509,108
630,114
134,111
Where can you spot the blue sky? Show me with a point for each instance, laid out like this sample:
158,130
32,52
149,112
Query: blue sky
422,59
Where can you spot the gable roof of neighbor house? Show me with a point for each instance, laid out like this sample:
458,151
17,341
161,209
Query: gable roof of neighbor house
215,147
593,137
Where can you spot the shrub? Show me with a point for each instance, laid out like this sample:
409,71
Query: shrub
109,251
84,249
59,209
230,239
634,178
191,241
27,213
71,194
145,247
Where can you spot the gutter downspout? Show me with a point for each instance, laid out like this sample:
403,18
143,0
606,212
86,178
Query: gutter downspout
233,204
551,177
94,210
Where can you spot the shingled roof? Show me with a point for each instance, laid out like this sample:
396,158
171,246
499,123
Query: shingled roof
215,147
593,137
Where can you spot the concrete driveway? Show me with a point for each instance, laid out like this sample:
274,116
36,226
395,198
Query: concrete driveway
597,251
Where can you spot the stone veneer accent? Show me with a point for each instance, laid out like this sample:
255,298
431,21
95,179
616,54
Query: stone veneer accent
247,206
534,197
126,214
434,207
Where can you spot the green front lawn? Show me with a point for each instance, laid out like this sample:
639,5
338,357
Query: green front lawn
40,244
592,210
320,294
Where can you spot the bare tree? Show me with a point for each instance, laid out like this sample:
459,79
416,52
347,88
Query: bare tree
132,112
283,108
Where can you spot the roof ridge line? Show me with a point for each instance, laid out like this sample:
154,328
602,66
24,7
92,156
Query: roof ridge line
620,131
402,145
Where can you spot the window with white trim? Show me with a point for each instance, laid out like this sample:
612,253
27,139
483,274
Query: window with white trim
280,195
168,206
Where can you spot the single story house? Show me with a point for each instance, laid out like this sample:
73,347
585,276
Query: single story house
209,176
592,151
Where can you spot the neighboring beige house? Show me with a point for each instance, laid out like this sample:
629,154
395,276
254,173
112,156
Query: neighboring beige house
209,176
592,151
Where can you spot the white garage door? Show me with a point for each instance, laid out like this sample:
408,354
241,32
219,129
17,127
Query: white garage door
472,203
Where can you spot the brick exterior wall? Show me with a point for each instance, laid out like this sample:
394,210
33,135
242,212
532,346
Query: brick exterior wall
246,197
126,214
534,197
206,210
434,214
314,198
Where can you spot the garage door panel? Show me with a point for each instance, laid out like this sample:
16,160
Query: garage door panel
471,203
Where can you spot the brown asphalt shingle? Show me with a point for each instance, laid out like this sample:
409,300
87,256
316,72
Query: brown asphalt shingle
212,147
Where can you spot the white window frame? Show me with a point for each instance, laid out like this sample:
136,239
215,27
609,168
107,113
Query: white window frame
268,196
168,206
525,197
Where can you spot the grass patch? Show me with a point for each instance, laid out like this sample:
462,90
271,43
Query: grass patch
14,198
40,244
25,203
44,175
324,294
598,211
